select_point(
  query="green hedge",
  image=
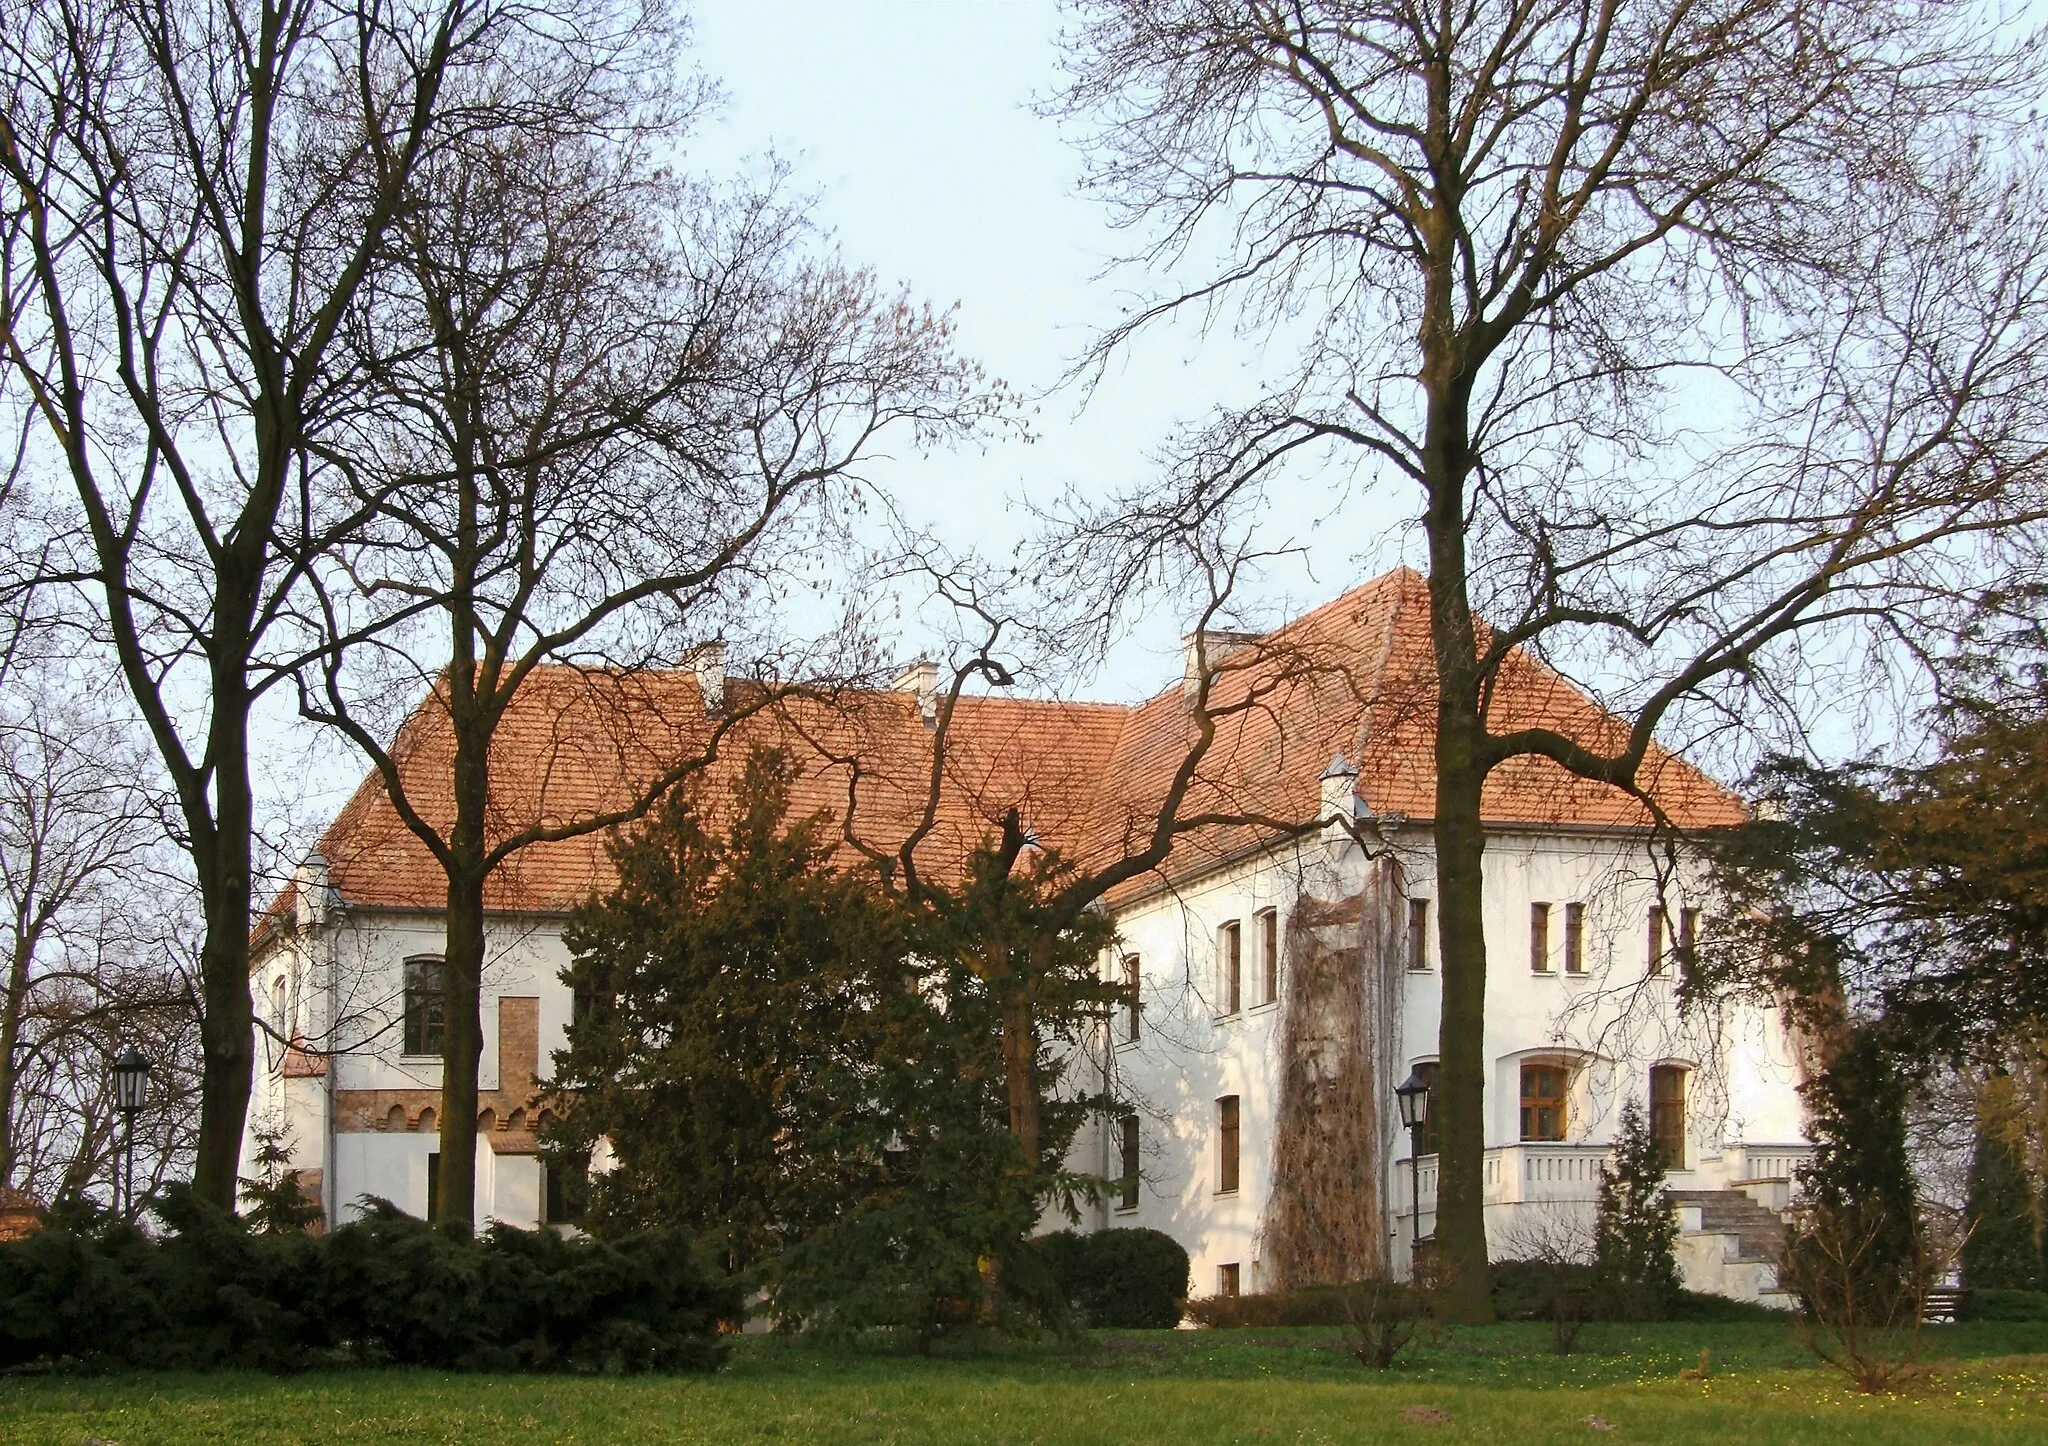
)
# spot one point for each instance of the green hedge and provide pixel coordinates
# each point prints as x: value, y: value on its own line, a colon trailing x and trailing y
x: 1124, y: 1279
x: 1313, y: 1305
x: 2006, y: 1305
x: 385, y: 1288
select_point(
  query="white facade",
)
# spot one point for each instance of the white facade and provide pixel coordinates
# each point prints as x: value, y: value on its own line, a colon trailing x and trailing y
x: 1608, y: 1022
x: 357, y: 1121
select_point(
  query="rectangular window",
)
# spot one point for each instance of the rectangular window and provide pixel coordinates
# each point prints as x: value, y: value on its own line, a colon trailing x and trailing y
x: 1688, y: 940
x: 1418, y: 933
x: 1134, y: 979
x: 1539, y: 938
x: 1229, y: 967
x: 1227, y: 1279
x: 1127, y: 1162
x: 1656, y: 948
x: 1667, y: 1114
x: 1269, y: 956
x: 1427, y: 1071
x: 1574, y: 938
x: 425, y: 1006
x: 433, y: 1186
x: 1543, y: 1101
x: 1226, y: 1144
x: 562, y: 1194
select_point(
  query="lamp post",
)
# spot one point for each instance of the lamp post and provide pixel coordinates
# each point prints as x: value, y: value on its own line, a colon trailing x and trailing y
x: 131, y: 1084
x: 1413, y: 1093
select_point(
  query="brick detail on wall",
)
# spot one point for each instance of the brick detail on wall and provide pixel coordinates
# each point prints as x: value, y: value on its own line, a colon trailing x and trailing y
x: 510, y: 1112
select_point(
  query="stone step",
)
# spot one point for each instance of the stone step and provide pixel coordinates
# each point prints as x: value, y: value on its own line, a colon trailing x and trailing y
x: 1760, y: 1233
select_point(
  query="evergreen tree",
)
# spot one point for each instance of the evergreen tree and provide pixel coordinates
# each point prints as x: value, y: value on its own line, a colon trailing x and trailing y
x: 725, y: 1033
x: 2002, y: 1252
x: 1635, y: 1241
x: 1857, y: 1235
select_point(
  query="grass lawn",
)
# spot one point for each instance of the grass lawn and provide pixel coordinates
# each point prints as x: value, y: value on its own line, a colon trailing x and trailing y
x: 1499, y: 1383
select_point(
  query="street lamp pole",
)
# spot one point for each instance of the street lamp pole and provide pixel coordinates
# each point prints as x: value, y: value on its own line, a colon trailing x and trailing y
x: 1413, y: 1095
x: 131, y: 1086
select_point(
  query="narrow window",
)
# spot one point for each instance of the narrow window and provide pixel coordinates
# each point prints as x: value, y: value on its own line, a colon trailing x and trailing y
x: 1543, y: 1101
x: 1427, y: 1071
x: 1227, y: 1279
x: 1269, y: 956
x: 433, y: 1186
x: 1574, y: 938
x: 1418, y: 933
x: 1127, y: 1162
x: 562, y: 1197
x: 1656, y: 955
x: 1230, y: 965
x: 1133, y: 982
x: 424, y: 1006
x: 1226, y: 1144
x: 1539, y: 938
x: 1688, y: 940
x: 1667, y: 1114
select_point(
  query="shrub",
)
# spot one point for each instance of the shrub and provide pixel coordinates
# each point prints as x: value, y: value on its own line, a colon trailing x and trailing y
x: 1126, y: 1279
x: 1313, y: 1305
x: 384, y: 1288
x: 1635, y: 1235
x: 2001, y: 1251
x: 2007, y: 1305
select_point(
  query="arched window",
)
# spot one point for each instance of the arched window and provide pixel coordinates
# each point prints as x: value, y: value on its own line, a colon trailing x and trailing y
x: 425, y: 1008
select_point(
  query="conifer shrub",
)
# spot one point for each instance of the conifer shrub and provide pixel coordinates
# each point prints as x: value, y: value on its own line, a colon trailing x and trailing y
x: 2001, y: 1251
x: 1128, y: 1279
x: 212, y: 1293
x: 1635, y: 1232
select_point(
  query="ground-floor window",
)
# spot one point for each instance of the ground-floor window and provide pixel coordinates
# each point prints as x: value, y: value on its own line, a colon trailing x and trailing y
x: 1543, y: 1085
x: 1226, y: 1144
x: 433, y: 1186
x: 1667, y: 1114
x: 1227, y: 1279
x: 1127, y: 1162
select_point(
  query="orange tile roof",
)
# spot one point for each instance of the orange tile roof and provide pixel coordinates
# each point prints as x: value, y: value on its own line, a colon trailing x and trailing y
x: 1351, y: 677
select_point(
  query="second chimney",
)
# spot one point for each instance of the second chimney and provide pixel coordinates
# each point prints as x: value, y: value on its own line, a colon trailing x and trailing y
x: 707, y: 661
x: 922, y: 679
x: 1205, y: 649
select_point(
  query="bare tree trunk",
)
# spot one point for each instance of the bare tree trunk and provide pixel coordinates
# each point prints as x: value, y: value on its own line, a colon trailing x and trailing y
x: 10, y: 1038
x: 461, y: 1045
x: 1020, y: 1062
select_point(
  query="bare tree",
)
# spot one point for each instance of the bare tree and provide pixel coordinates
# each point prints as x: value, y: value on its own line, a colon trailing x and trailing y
x: 195, y: 193
x: 1698, y: 329
x: 608, y: 413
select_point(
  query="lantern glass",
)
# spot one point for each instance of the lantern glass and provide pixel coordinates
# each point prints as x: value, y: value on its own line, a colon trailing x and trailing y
x: 131, y: 1079
x: 1413, y: 1093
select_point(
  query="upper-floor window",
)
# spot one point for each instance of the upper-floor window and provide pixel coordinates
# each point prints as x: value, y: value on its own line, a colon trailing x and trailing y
x: 1655, y: 964
x: 425, y: 1007
x: 1133, y: 982
x: 1539, y: 938
x: 1688, y: 940
x: 1574, y: 938
x: 1229, y: 967
x: 1543, y: 1099
x: 1667, y: 1114
x: 1226, y: 1144
x: 1127, y: 1163
x: 1418, y: 933
x: 1266, y: 926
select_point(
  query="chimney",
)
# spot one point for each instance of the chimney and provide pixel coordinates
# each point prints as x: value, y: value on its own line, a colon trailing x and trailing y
x: 922, y: 679
x: 1203, y: 650
x: 707, y: 661
x: 1340, y: 789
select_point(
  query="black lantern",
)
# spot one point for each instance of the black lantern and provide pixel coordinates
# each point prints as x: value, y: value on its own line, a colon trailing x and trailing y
x: 1413, y: 1093
x: 131, y: 1087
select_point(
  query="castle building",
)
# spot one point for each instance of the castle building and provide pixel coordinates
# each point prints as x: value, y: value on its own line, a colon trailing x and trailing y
x: 1280, y: 962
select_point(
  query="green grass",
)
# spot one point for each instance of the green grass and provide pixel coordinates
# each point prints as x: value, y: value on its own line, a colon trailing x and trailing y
x: 1501, y: 1383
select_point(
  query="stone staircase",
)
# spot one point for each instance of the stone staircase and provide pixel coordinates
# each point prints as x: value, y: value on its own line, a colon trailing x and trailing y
x: 1729, y: 1244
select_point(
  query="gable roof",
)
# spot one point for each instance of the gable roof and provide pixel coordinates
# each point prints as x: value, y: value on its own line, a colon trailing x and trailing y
x: 1354, y: 676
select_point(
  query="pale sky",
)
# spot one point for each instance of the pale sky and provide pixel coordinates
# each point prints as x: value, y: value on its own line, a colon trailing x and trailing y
x: 912, y: 122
